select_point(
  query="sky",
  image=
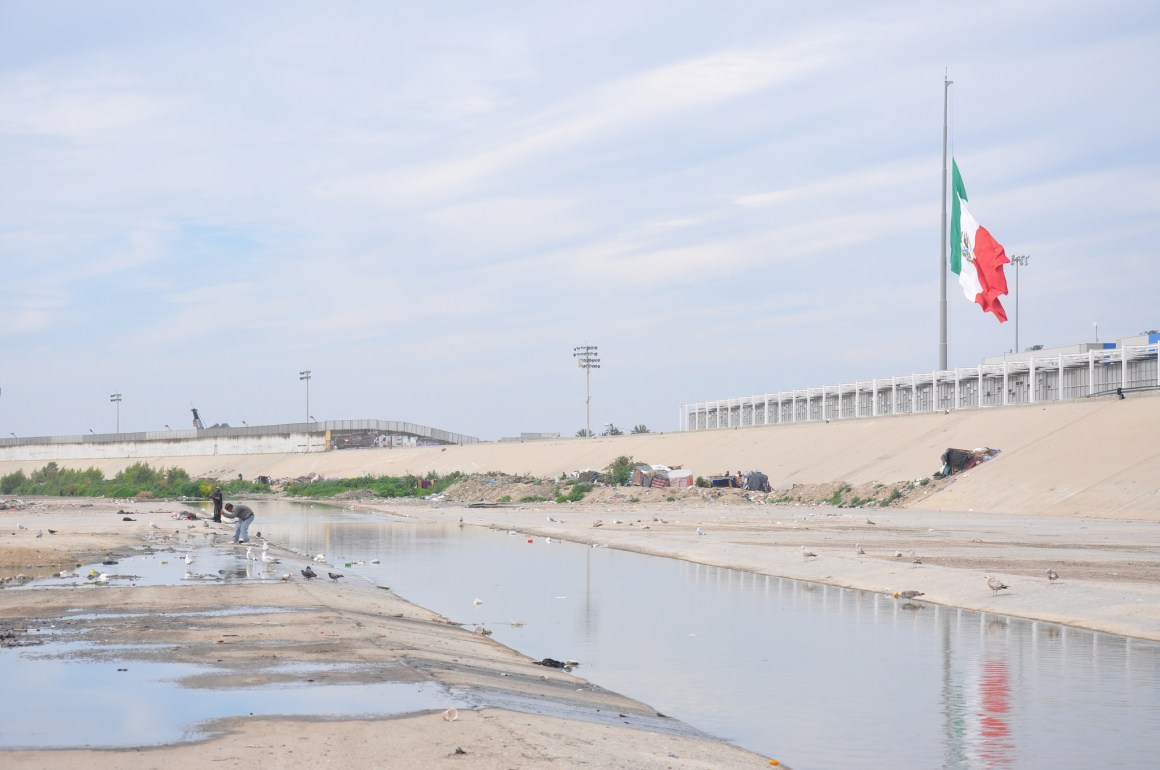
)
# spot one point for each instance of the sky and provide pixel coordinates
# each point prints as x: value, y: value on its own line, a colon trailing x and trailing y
x: 430, y: 205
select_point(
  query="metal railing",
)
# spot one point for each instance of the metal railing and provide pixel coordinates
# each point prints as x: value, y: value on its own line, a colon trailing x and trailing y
x: 1059, y: 377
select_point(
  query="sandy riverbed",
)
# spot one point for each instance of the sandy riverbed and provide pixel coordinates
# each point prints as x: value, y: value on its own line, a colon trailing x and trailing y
x: 381, y: 635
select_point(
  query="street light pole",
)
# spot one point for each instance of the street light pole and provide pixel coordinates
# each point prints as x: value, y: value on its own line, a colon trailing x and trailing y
x: 1019, y: 261
x: 116, y: 399
x: 586, y: 358
x: 305, y: 375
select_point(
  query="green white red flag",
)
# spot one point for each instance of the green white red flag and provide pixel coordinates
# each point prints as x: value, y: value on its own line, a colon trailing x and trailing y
x: 975, y: 256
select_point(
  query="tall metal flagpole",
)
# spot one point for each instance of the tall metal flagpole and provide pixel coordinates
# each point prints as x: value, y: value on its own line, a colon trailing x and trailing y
x: 942, y: 343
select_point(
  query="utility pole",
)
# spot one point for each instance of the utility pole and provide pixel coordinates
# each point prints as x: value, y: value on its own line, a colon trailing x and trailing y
x: 586, y: 358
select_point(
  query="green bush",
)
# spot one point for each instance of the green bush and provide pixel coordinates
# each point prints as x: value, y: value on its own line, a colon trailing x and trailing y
x: 701, y: 481
x: 620, y: 470
x: 579, y: 489
x: 379, y: 486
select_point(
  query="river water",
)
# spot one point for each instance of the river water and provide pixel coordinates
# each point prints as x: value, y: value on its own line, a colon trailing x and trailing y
x: 814, y: 676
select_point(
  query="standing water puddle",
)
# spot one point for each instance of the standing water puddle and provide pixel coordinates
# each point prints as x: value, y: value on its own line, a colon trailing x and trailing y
x: 816, y: 676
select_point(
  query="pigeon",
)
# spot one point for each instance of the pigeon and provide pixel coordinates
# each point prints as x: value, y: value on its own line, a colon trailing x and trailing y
x: 308, y: 573
x: 334, y: 576
x: 808, y: 554
x: 995, y: 585
x: 52, y: 532
x: 40, y: 533
x: 1052, y: 575
x: 858, y: 549
x: 127, y: 518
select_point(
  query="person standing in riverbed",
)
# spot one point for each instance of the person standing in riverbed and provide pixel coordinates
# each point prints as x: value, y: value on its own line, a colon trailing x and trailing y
x: 244, y: 516
x: 216, y: 496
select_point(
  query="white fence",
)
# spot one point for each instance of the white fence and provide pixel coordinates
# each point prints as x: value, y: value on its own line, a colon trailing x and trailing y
x: 1048, y: 378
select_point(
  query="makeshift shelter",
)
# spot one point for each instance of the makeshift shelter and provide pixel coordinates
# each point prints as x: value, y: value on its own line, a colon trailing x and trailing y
x: 959, y: 460
x: 756, y: 481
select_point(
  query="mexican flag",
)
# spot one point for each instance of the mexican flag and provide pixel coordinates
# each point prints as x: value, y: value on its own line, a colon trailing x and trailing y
x: 976, y: 257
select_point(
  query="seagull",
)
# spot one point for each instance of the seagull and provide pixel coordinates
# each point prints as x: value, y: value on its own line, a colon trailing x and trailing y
x: 870, y: 522
x: 477, y: 602
x: 153, y: 525
x: 250, y: 553
x: 308, y: 573
x: 858, y: 549
x: 995, y: 585
x: 189, y: 558
x: 808, y: 554
x: 700, y: 531
x: 375, y: 561
x: 268, y: 559
x: 908, y: 595
x: 334, y: 576
x: 320, y: 557
x: 1052, y: 575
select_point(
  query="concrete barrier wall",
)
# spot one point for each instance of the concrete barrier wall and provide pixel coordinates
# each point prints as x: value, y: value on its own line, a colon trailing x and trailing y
x: 199, y: 446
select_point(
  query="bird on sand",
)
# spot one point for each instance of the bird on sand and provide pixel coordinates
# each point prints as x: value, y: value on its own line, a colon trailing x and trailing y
x: 858, y: 549
x: 995, y: 585
x: 334, y: 576
x: 908, y: 595
x: 1052, y: 575
x: 308, y: 572
x: 808, y: 554
x: 870, y: 522
x: 52, y: 532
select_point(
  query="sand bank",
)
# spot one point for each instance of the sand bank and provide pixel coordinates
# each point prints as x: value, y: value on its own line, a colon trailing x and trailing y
x: 374, y: 633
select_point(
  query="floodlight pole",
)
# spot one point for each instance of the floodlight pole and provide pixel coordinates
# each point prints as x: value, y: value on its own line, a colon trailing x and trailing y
x: 586, y: 358
x: 305, y: 375
x: 116, y: 399
x: 1019, y: 261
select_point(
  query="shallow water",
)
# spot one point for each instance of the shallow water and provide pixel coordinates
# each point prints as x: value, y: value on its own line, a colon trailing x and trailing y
x: 815, y: 676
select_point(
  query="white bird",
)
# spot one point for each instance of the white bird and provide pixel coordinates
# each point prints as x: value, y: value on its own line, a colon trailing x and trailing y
x: 189, y: 558
x: 320, y: 557
x: 808, y: 554
x: 267, y: 558
x: 995, y: 585
x: 103, y: 577
x: 1052, y: 575
x: 477, y: 602
x: 21, y: 526
x: 265, y: 546
x: 375, y: 561
x: 858, y: 549
x: 286, y: 576
x: 700, y: 531
x: 153, y: 525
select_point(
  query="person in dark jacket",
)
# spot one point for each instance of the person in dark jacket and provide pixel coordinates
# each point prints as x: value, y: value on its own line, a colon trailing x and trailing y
x: 243, y: 516
x: 216, y: 496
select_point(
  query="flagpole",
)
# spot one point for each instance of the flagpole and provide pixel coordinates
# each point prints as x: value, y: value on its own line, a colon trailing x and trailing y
x: 942, y: 345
